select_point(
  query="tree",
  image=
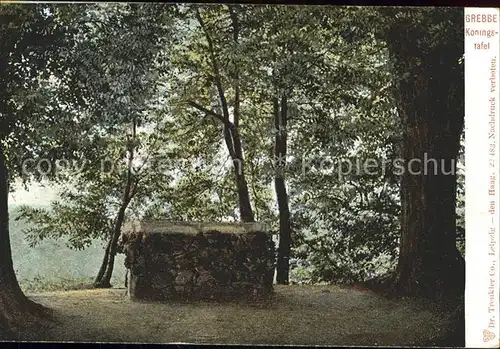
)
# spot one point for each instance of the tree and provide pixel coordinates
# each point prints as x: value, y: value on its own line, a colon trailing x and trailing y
x: 280, y: 41
x: 206, y: 63
x: 317, y: 75
x: 52, y: 100
x: 346, y: 216
x: 130, y: 51
x: 30, y: 47
x: 94, y: 200
x: 332, y: 89
x: 426, y: 46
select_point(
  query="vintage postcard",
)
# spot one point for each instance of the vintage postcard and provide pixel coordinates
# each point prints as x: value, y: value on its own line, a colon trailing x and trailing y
x: 249, y: 174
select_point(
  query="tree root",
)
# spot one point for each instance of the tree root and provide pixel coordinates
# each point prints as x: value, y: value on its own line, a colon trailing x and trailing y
x: 21, y: 318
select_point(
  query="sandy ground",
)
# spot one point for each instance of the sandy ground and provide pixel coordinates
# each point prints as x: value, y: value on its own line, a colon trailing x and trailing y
x: 308, y: 315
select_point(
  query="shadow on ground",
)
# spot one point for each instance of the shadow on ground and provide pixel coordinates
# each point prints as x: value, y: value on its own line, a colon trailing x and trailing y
x: 301, y: 315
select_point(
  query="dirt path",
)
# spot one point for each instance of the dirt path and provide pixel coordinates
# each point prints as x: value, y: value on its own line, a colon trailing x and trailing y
x: 321, y: 315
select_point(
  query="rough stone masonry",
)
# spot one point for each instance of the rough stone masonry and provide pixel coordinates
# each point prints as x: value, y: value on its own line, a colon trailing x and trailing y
x: 168, y: 260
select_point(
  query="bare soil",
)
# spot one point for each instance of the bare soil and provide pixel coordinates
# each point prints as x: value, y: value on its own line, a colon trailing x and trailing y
x: 300, y: 315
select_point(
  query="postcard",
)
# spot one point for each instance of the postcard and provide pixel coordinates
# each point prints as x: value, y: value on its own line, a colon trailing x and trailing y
x: 249, y: 174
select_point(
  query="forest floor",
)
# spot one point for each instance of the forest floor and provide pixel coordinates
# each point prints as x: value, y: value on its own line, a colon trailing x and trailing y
x: 300, y: 315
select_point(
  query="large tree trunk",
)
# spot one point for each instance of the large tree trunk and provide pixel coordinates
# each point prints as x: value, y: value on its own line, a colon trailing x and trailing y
x: 280, y: 151
x: 16, y: 310
x: 430, y: 98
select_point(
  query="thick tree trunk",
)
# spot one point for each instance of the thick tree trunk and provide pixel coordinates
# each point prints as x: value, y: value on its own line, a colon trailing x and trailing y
x: 431, y: 109
x: 280, y: 151
x: 429, y: 262
x: 16, y: 310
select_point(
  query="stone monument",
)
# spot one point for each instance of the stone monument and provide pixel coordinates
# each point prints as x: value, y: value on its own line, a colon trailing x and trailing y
x: 171, y: 260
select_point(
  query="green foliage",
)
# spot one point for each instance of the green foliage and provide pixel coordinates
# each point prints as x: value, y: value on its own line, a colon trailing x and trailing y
x: 122, y: 62
x: 80, y: 217
x: 31, y: 44
x: 120, y: 56
x: 38, y: 284
x: 52, y: 259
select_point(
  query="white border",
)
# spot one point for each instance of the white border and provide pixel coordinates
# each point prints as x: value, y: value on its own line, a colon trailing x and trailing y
x: 482, y: 139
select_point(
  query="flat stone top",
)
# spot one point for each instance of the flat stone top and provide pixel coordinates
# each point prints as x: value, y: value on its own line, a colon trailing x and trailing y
x: 169, y: 227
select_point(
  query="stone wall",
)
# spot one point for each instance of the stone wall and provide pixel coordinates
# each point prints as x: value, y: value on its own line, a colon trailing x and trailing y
x: 204, y: 261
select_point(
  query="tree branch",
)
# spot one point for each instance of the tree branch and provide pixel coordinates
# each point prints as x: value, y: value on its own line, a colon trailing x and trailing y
x: 229, y: 127
x: 208, y: 111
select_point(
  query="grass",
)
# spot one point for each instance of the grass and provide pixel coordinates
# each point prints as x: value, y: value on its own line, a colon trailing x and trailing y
x: 38, y: 284
x: 295, y: 314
